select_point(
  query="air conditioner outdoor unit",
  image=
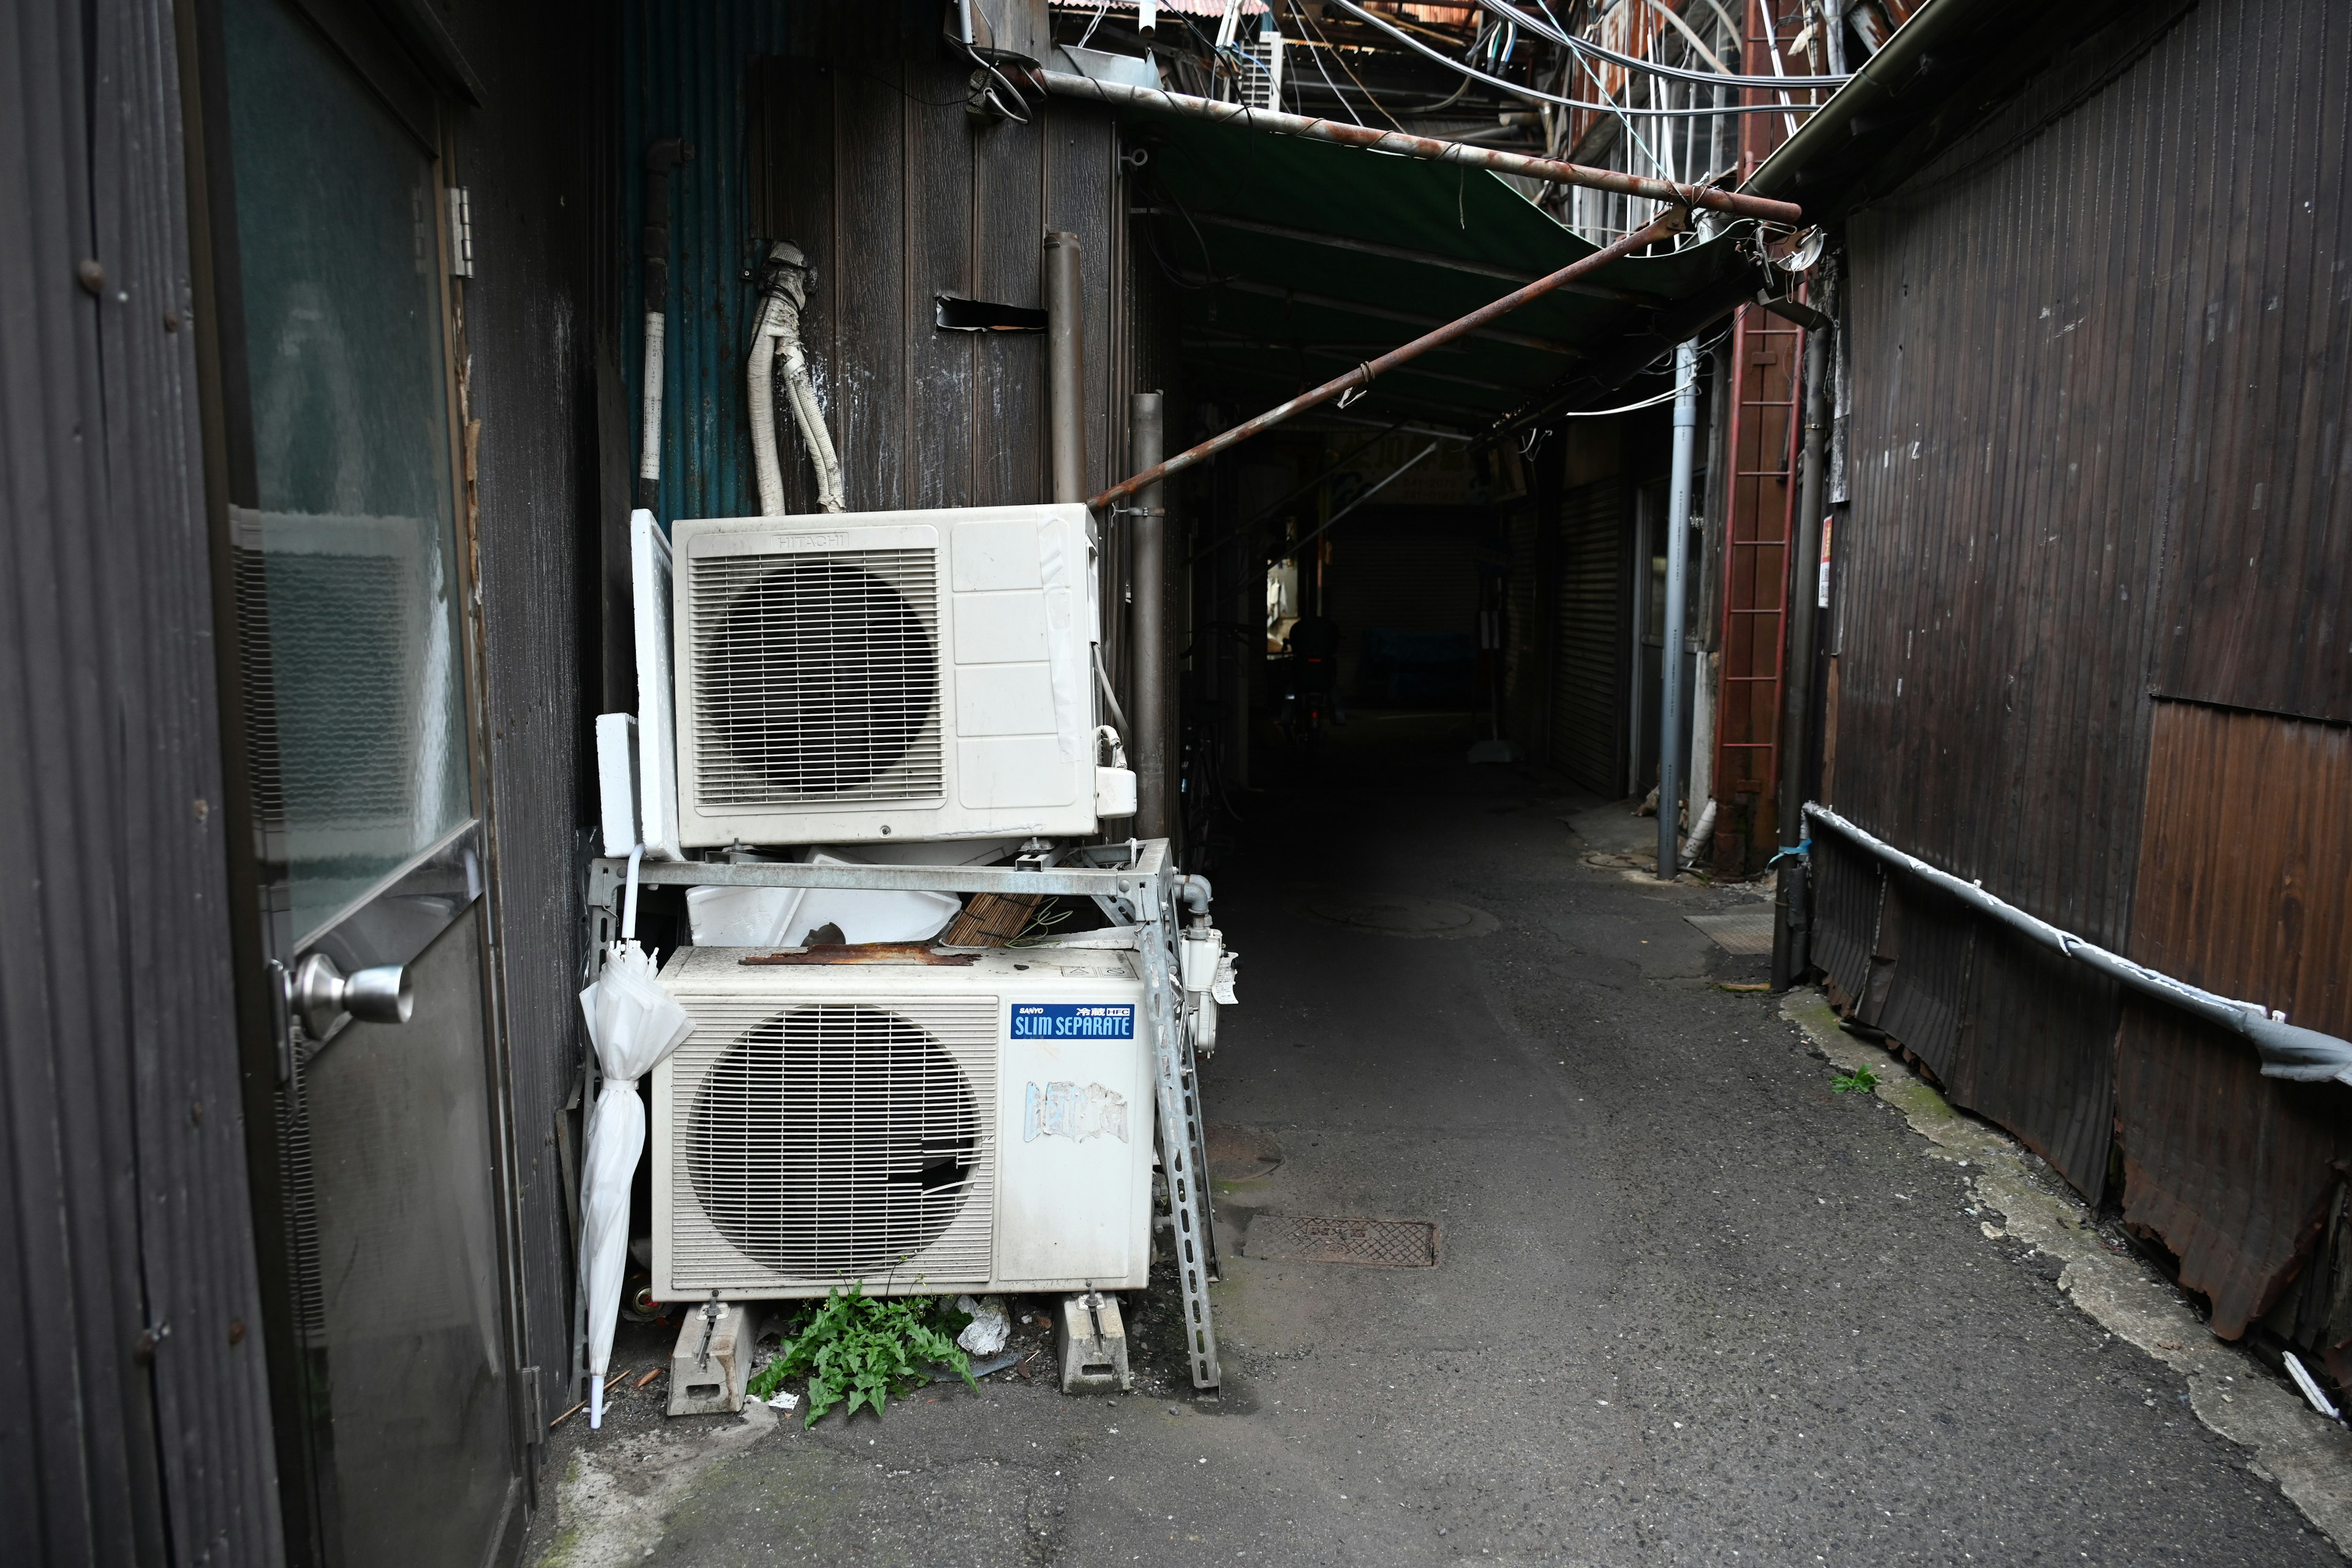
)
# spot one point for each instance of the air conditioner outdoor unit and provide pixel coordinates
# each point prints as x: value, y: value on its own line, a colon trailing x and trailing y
x: 981, y: 1123
x: 885, y: 675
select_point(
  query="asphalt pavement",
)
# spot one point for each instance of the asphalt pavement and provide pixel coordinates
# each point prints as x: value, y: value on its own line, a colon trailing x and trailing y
x: 1689, y: 1305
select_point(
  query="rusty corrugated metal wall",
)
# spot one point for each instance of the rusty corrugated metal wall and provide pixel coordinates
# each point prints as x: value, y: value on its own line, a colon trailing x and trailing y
x: 2100, y: 364
x: 2243, y: 888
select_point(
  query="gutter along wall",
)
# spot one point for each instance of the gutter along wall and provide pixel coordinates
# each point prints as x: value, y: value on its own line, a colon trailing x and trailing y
x: 2090, y: 632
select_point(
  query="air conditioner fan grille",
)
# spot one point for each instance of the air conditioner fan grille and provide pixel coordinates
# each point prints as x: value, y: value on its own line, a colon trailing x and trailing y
x: 842, y: 1141
x: 816, y: 679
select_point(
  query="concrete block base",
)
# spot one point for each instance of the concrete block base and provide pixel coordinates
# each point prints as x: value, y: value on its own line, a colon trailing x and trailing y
x: 1091, y: 1338
x: 712, y: 1383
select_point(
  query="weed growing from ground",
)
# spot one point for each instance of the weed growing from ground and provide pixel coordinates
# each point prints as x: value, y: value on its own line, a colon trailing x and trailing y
x: 1860, y: 1080
x: 862, y: 1349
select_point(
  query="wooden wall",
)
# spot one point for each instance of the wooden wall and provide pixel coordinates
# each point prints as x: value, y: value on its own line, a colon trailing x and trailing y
x: 898, y: 196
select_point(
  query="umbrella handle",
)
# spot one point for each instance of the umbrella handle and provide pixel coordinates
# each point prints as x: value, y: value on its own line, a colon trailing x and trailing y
x: 629, y: 904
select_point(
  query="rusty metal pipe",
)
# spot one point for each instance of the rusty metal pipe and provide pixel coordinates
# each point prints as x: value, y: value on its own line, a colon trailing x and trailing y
x: 1551, y: 170
x: 1670, y: 222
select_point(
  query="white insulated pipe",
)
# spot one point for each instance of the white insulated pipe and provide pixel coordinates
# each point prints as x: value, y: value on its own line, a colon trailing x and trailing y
x: 1670, y: 652
x: 777, y: 336
x: 760, y: 374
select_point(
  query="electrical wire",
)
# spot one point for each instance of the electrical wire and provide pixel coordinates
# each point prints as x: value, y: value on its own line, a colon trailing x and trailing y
x: 1672, y: 392
x: 1334, y: 50
x: 1537, y: 95
x: 1631, y: 62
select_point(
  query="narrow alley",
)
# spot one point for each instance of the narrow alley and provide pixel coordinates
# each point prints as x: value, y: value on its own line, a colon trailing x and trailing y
x: 1691, y: 1305
x: 1007, y: 782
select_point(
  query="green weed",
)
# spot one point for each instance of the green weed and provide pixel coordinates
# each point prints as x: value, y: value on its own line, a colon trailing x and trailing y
x: 1860, y: 1080
x: 862, y: 1349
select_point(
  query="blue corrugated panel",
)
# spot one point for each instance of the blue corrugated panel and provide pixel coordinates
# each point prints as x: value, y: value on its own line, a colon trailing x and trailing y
x: 684, y: 70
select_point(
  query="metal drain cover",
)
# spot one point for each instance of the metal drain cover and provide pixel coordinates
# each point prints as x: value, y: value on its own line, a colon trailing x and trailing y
x: 1398, y: 915
x: 1312, y: 1238
x: 1746, y: 932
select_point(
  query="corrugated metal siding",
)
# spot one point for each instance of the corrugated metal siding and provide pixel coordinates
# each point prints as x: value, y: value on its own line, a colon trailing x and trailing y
x: 2080, y: 340
x: 2245, y: 887
x: 1924, y: 989
x: 123, y: 1172
x: 1846, y: 889
x: 1592, y: 633
x: 2036, y: 1054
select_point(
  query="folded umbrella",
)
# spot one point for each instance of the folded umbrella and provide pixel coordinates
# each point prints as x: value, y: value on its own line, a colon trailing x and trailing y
x: 633, y: 1024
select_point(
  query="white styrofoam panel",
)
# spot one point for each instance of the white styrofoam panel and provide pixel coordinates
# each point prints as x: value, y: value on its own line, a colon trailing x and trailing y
x: 649, y: 574
x: 616, y: 780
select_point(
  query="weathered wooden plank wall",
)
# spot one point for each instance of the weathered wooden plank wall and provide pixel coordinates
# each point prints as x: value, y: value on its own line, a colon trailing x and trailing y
x: 898, y: 196
x: 2100, y: 359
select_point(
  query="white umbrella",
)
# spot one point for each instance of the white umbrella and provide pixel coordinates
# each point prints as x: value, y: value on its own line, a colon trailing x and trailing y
x: 633, y: 1024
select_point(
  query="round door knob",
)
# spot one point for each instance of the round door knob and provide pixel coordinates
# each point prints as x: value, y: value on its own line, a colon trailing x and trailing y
x: 321, y: 994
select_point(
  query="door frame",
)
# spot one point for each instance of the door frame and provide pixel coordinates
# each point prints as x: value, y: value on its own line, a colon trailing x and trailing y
x: 424, y: 109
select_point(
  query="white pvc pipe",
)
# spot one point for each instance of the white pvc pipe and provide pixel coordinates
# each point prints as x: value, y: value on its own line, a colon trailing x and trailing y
x: 629, y: 902
x: 791, y: 294
x: 2288, y: 1052
x: 760, y: 376
x: 650, y: 448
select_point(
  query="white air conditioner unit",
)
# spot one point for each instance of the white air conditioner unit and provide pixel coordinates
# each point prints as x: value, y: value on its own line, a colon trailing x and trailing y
x: 981, y: 1125
x: 885, y: 675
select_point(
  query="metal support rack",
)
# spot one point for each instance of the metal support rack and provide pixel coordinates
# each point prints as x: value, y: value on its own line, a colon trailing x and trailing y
x: 1136, y: 884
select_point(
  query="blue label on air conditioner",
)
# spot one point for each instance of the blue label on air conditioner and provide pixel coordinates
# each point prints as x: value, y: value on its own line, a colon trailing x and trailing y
x: 1073, y: 1020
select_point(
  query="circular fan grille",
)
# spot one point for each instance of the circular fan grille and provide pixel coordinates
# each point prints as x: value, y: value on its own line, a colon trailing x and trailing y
x: 833, y: 1140
x: 819, y: 674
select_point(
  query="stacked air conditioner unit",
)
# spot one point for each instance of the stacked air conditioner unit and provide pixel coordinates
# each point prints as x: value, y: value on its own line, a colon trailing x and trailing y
x: 979, y: 1124
x: 958, y: 1121
x: 889, y: 674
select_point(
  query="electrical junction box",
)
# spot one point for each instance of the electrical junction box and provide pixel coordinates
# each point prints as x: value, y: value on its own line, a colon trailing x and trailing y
x: 861, y: 677
x: 967, y: 1122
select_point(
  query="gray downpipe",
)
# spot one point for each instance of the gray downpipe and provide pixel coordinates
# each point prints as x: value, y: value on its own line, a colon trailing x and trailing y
x: 1066, y: 365
x: 2299, y: 1055
x: 1149, y: 661
x: 1670, y: 651
x: 1789, y: 957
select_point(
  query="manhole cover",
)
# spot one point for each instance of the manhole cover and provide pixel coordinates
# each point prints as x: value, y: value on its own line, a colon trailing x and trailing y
x: 1746, y: 932
x: 1312, y: 1238
x: 1398, y: 915
x: 1241, y: 1153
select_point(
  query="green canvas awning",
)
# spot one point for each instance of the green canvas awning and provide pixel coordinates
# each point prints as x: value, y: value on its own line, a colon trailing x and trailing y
x: 1300, y: 258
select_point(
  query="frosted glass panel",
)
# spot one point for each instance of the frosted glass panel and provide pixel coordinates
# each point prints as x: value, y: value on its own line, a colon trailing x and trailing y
x: 347, y: 595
